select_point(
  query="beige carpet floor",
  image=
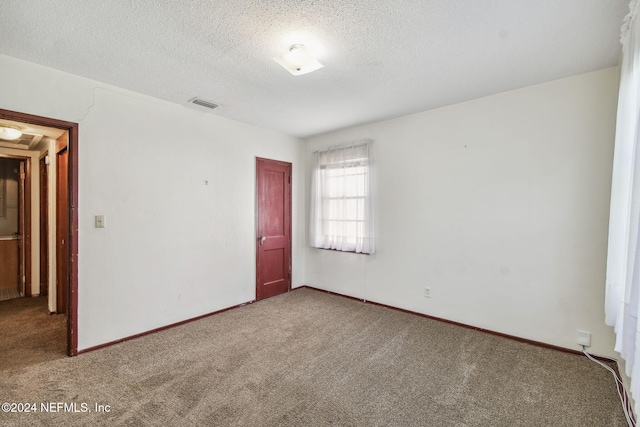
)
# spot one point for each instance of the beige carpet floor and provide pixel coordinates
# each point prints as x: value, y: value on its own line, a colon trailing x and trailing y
x: 308, y: 358
x: 29, y: 334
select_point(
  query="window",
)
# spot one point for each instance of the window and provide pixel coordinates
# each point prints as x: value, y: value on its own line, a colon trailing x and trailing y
x: 341, y: 199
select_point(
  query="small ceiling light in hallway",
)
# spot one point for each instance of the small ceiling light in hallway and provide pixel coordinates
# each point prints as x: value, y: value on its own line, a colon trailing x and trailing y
x: 298, y: 60
x: 9, y: 133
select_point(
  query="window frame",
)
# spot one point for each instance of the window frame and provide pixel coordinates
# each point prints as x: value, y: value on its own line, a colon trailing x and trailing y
x: 328, y: 228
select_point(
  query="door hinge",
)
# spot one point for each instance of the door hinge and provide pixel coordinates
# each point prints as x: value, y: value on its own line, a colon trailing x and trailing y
x: 289, y: 179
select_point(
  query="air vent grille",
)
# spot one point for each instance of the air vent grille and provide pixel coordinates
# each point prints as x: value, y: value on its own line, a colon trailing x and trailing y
x: 204, y: 103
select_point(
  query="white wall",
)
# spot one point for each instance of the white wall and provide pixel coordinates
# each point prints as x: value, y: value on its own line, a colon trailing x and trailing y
x: 143, y: 164
x: 499, y: 205
x: 47, y: 147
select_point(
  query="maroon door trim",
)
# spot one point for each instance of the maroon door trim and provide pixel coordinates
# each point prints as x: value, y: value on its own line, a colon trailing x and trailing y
x: 62, y: 230
x: 72, y: 128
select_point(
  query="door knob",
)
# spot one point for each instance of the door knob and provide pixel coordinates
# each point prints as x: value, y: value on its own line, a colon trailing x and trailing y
x: 262, y: 239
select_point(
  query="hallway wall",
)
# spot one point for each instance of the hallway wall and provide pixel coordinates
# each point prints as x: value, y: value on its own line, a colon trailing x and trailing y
x: 177, y: 188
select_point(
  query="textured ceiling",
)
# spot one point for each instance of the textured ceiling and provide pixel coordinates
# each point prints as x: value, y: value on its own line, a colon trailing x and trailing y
x: 383, y: 58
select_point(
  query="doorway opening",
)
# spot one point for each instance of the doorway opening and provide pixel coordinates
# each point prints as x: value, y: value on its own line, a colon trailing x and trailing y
x: 51, y: 251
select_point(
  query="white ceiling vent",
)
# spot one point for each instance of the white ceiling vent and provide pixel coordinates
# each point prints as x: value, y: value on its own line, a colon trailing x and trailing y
x: 203, y: 103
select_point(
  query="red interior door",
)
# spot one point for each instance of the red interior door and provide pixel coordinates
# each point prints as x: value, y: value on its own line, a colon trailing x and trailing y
x: 273, y: 239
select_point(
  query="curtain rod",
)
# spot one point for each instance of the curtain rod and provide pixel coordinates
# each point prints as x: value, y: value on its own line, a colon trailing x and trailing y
x: 347, y: 145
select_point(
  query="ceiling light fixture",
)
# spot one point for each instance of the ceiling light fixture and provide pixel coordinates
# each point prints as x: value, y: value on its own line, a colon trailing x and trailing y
x: 9, y: 133
x: 298, y: 60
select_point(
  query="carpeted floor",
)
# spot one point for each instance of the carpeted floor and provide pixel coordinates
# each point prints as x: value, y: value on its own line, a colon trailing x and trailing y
x: 308, y: 358
x: 29, y: 334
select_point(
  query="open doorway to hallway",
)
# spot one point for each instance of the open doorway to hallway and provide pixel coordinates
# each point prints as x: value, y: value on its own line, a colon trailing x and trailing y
x: 46, y: 156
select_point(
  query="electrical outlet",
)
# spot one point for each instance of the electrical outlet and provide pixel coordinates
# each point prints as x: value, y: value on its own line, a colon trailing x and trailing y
x: 427, y: 292
x: 584, y: 338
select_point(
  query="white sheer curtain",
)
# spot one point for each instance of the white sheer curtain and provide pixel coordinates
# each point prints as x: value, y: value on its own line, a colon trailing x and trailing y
x: 623, y: 258
x: 342, y: 200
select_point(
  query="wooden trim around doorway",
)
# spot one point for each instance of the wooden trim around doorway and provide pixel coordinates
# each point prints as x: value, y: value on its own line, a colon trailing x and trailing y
x: 72, y: 128
x: 26, y: 241
x: 44, y: 225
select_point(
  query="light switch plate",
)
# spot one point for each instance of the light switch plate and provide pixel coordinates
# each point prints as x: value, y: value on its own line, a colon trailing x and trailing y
x: 100, y: 221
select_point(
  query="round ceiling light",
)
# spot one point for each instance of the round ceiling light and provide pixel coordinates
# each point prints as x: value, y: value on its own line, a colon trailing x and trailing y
x: 298, y: 60
x: 9, y: 133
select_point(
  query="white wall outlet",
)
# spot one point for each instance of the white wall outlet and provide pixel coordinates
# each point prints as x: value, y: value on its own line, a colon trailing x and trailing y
x: 584, y: 338
x: 427, y: 292
x: 100, y: 221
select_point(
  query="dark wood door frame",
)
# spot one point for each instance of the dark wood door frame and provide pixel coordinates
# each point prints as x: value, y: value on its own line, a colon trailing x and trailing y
x: 24, y: 225
x: 62, y: 229
x: 27, y: 228
x: 44, y: 226
x: 72, y: 302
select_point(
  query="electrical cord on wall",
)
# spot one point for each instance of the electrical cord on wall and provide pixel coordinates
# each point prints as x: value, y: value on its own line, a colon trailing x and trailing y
x: 619, y: 385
